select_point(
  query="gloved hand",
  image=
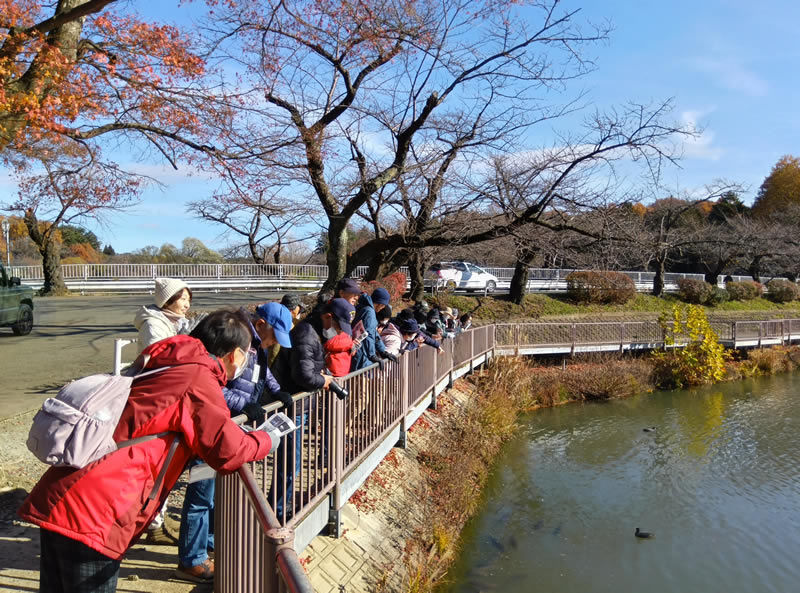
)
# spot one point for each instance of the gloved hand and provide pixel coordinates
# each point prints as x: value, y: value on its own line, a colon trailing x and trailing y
x: 282, y: 396
x: 389, y: 356
x: 254, y: 412
x: 377, y: 359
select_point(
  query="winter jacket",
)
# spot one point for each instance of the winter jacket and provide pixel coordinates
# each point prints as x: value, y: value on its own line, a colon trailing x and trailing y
x: 372, y: 345
x: 337, y: 354
x: 392, y: 339
x: 106, y: 504
x: 300, y: 367
x: 153, y: 326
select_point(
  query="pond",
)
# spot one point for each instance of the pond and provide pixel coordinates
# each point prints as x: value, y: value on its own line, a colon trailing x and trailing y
x: 717, y: 482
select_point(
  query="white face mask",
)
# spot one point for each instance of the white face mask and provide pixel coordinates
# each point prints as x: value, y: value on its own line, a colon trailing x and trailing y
x: 410, y: 338
x: 329, y: 333
x: 238, y: 370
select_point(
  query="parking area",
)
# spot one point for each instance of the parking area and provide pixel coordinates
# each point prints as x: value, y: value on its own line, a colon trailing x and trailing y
x: 74, y: 336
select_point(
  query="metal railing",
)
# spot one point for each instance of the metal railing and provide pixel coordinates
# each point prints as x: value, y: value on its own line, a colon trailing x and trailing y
x: 271, y: 509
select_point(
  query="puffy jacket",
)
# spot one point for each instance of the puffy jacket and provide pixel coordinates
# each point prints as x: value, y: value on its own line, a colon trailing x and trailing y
x: 372, y: 345
x: 426, y: 339
x: 153, y: 326
x: 106, y: 504
x: 300, y: 367
x: 337, y: 359
x: 392, y: 339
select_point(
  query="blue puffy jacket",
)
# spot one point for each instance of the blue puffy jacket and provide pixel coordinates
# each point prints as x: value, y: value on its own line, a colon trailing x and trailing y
x: 372, y: 344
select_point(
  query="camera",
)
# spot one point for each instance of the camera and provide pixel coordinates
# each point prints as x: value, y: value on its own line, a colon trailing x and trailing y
x: 338, y: 390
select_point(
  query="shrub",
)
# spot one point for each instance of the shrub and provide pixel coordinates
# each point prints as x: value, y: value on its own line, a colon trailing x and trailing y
x: 744, y: 291
x: 718, y: 296
x: 698, y: 356
x: 395, y: 283
x: 694, y: 291
x: 600, y: 287
x: 782, y: 291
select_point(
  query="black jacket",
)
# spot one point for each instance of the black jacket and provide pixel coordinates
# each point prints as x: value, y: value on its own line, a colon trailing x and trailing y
x: 299, y: 368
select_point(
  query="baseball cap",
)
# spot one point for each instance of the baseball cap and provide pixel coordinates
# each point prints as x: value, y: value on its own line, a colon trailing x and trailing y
x: 380, y: 296
x: 343, y: 312
x: 280, y: 319
x: 290, y: 301
x: 348, y: 285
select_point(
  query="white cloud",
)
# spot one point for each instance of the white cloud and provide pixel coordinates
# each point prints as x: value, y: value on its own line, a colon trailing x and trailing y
x: 732, y: 74
x: 702, y: 145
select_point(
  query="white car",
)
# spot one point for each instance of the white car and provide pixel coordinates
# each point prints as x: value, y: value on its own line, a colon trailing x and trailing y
x: 459, y: 275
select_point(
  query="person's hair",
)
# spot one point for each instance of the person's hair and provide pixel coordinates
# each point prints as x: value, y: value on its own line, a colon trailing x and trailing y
x: 406, y: 314
x: 222, y: 332
x: 385, y: 313
x: 177, y: 295
x: 324, y: 296
x: 466, y: 317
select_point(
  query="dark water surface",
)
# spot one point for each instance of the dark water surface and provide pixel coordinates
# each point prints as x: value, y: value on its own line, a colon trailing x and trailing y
x: 718, y: 483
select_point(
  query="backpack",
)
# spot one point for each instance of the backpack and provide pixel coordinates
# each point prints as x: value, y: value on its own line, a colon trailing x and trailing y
x: 77, y: 426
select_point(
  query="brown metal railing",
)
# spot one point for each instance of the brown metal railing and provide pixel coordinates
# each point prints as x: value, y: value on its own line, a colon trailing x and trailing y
x: 339, y: 439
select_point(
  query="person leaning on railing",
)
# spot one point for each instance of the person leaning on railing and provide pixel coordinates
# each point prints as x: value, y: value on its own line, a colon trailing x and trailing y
x: 297, y: 369
x: 371, y: 349
x: 251, y: 386
x: 90, y: 517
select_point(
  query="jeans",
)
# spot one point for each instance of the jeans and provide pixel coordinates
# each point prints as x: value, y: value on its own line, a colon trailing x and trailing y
x: 291, y: 442
x: 197, y: 522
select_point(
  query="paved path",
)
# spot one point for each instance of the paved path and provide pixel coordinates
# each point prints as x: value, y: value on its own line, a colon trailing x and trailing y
x: 73, y: 337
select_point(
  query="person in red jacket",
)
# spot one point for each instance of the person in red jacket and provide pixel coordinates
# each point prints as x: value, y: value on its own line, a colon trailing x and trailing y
x: 90, y: 517
x: 336, y: 319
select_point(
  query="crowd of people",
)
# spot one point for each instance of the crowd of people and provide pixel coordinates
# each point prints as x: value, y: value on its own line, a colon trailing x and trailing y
x: 226, y: 363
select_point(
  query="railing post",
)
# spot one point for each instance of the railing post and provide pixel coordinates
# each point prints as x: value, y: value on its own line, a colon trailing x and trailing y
x: 573, y: 329
x: 334, y: 515
x: 621, y: 337
x: 404, y: 391
x: 432, y: 405
x: 760, y: 332
x: 733, y: 333
x: 472, y: 350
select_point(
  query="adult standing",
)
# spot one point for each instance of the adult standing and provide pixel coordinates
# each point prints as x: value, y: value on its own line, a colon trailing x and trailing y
x: 90, y: 517
x: 167, y: 316
x: 371, y: 348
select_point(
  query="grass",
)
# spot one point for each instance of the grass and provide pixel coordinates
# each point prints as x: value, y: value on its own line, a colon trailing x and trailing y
x: 544, y: 306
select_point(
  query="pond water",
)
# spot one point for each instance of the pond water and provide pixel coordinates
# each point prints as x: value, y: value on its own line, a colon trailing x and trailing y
x: 717, y: 482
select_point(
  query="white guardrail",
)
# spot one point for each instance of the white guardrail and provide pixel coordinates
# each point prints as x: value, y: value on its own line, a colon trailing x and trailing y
x: 88, y: 278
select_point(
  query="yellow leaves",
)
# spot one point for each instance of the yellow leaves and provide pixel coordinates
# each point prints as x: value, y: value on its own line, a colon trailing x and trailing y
x: 699, y: 355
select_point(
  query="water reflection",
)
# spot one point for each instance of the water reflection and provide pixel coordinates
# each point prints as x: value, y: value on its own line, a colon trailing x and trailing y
x: 718, y: 482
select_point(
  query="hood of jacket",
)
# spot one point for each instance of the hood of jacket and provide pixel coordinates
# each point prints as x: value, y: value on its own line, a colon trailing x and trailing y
x: 180, y: 350
x: 364, y: 300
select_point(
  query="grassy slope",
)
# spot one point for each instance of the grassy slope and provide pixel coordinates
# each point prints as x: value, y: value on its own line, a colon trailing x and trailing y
x: 644, y: 306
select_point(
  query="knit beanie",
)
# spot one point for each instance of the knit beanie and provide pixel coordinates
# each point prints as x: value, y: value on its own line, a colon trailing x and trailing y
x: 166, y: 288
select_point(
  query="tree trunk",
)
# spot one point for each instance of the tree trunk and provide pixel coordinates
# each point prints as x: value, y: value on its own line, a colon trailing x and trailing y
x: 51, y: 255
x: 54, y: 284
x: 336, y: 256
x: 755, y: 269
x: 416, y: 272
x: 658, y: 280
x: 519, y: 282
x: 381, y: 266
x: 711, y: 277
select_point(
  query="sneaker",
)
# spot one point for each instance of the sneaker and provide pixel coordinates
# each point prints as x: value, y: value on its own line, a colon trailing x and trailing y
x: 202, y: 573
x: 160, y: 536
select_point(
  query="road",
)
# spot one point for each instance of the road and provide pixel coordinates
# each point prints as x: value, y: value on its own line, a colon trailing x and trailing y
x: 74, y: 336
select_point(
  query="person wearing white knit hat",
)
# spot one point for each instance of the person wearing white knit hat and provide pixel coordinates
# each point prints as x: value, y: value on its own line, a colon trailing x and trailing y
x: 167, y: 317
x: 164, y: 319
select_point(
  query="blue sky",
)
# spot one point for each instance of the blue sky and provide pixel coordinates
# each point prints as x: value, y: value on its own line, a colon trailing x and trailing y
x: 729, y: 65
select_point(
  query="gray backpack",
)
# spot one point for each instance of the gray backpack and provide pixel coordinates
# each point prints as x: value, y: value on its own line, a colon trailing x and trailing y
x: 77, y: 426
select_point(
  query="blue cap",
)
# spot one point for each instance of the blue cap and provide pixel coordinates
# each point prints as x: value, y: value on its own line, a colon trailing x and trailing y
x: 280, y: 319
x: 343, y: 312
x: 380, y: 296
x: 408, y: 326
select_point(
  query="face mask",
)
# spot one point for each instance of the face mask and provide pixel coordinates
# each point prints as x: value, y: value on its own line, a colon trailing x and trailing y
x: 329, y: 333
x: 409, y: 338
x: 238, y: 370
